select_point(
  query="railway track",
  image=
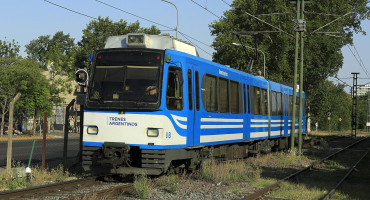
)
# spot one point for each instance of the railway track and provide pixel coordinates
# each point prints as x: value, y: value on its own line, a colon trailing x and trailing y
x: 317, y: 168
x: 75, y: 189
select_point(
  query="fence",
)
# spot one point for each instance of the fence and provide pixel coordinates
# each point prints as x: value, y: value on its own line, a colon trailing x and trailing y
x: 62, y: 145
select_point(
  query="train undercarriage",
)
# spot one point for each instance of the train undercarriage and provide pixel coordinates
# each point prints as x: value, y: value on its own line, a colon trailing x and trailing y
x: 122, y: 159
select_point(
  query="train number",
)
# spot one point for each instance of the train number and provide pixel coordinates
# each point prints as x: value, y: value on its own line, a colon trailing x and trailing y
x: 168, y: 135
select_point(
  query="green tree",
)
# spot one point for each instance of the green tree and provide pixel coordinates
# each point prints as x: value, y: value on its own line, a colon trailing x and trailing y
x: 322, y: 53
x: 362, y: 109
x: 96, y: 33
x: 36, y: 98
x: 332, y: 98
x: 9, y: 49
x: 55, y: 55
x: 19, y: 75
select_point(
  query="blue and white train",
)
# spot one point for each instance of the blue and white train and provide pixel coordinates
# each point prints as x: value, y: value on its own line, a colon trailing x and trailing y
x: 153, y: 105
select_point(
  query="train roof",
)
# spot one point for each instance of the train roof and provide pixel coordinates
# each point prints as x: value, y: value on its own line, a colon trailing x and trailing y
x: 140, y: 40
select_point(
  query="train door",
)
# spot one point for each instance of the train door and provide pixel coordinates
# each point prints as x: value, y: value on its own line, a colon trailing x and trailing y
x: 246, y: 110
x: 191, y: 105
x: 287, y: 119
x: 197, y: 107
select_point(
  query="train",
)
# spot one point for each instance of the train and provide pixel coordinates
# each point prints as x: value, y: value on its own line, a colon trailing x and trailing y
x: 153, y: 106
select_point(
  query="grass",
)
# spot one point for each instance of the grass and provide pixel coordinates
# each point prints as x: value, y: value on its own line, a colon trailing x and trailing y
x: 142, y: 186
x: 39, y: 177
x: 229, y: 172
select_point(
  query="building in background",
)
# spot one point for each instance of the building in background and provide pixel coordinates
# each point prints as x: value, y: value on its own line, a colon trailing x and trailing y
x: 362, y: 90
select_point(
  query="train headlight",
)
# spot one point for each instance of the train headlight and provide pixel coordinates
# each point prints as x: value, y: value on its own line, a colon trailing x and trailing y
x: 81, y: 76
x: 152, y: 132
x: 92, y: 130
x: 138, y: 40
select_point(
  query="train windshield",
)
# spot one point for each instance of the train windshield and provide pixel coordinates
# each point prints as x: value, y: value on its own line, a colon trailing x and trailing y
x: 121, y: 76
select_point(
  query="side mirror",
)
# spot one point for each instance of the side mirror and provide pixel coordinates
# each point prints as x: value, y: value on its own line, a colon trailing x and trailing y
x: 81, y: 76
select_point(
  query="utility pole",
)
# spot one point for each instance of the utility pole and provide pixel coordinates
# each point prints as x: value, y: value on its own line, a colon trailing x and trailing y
x: 292, y: 132
x: 354, y: 104
x: 300, y: 28
x: 368, y: 113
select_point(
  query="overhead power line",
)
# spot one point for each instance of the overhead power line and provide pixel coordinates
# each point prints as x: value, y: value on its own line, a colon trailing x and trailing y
x: 206, y: 9
x: 171, y: 29
x: 226, y: 2
x: 342, y: 81
x: 148, y: 20
x: 363, y: 65
x: 308, y: 12
x: 151, y: 21
x: 269, y: 14
x: 186, y: 37
x: 69, y: 9
x: 358, y: 61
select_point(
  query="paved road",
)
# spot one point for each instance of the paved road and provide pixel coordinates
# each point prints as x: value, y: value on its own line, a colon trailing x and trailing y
x: 54, y: 150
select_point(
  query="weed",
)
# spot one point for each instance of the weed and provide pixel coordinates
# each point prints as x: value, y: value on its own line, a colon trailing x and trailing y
x: 229, y: 172
x: 142, y: 186
x: 40, y: 177
x: 333, y: 165
x: 173, y: 185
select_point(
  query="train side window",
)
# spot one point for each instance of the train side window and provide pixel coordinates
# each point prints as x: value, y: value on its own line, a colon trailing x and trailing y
x: 234, y: 94
x: 224, y: 95
x: 264, y: 102
x: 256, y: 100
x: 197, y: 99
x: 190, y: 90
x: 174, y: 95
x: 249, y: 98
x: 244, y: 99
x: 274, y: 111
x: 209, y: 93
x: 279, y: 104
x: 297, y: 106
x: 290, y: 105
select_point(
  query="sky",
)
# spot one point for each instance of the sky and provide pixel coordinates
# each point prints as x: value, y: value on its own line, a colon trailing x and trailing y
x: 26, y: 20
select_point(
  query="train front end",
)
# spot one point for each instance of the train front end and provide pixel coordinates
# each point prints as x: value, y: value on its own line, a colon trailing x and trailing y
x: 125, y: 127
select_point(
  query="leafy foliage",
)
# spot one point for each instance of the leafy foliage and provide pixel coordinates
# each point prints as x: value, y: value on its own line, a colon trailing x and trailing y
x: 322, y: 53
x: 9, y: 49
x: 55, y: 55
x: 331, y: 98
x: 24, y: 76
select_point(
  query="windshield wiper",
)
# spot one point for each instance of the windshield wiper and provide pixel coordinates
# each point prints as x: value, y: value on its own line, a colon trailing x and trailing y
x: 141, y: 102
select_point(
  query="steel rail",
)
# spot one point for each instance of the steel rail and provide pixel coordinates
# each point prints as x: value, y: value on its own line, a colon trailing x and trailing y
x: 263, y: 191
x: 327, y: 196
x: 103, y: 193
x: 45, y: 188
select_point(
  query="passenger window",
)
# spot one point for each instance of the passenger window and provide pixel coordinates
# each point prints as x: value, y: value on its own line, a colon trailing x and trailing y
x: 197, y: 98
x: 190, y: 90
x: 174, y: 95
x: 244, y: 99
x: 279, y: 104
x: 274, y: 111
x: 290, y: 105
x: 264, y: 102
x: 234, y: 95
x: 209, y: 93
x: 256, y: 100
x: 224, y: 95
x: 249, y: 99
